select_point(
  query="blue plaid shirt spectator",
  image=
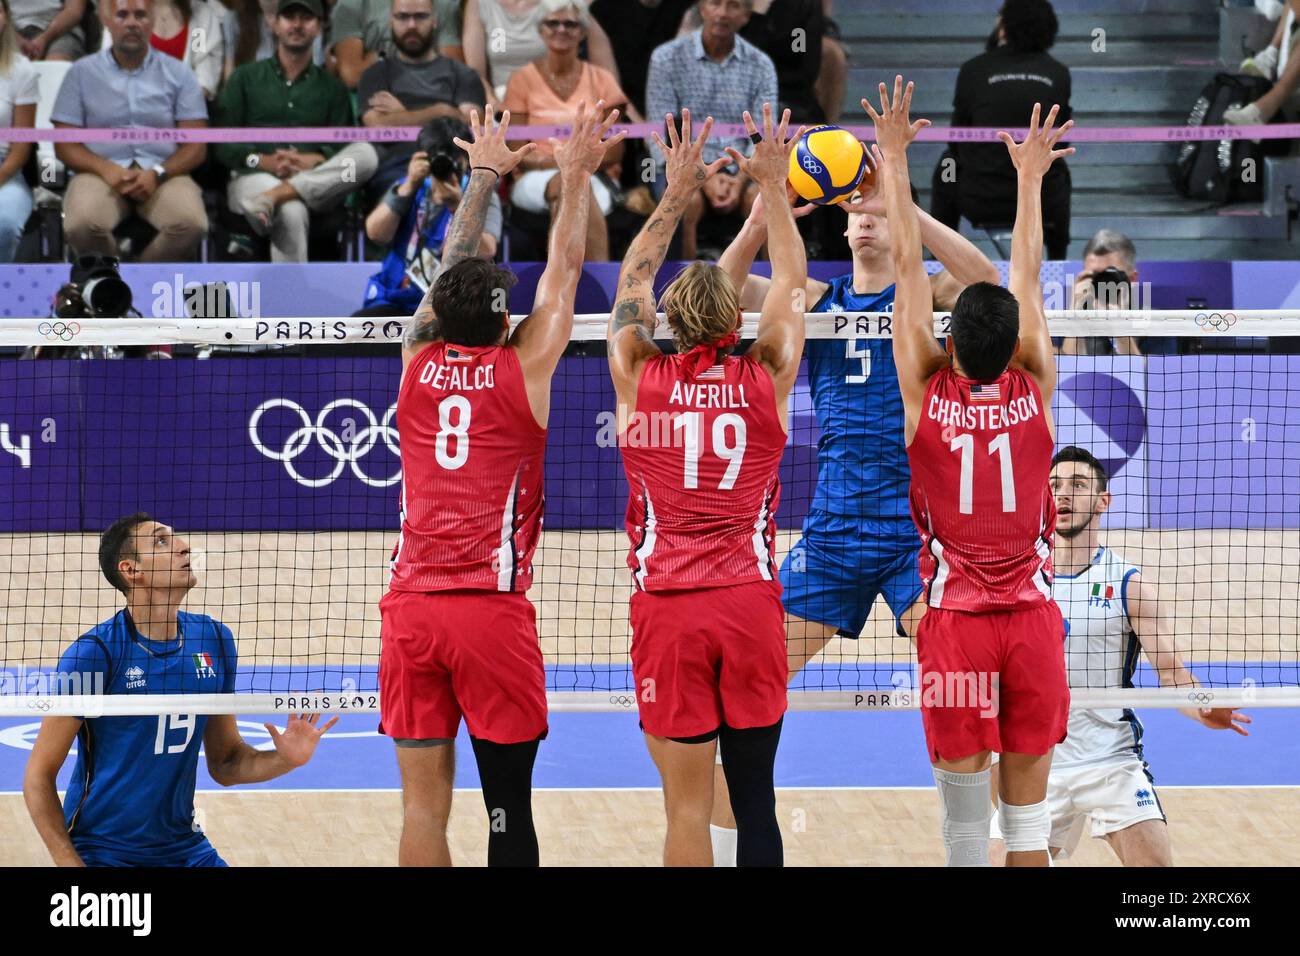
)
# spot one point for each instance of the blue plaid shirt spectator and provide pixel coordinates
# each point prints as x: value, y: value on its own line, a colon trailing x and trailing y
x: 682, y: 74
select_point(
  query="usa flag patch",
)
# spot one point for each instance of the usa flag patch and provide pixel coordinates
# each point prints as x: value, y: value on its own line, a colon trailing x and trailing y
x: 456, y: 355
x: 715, y: 374
x: 986, y: 393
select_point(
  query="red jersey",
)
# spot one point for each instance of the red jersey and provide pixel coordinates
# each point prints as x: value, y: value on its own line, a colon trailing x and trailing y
x: 701, y: 456
x: 980, y: 497
x: 472, y: 456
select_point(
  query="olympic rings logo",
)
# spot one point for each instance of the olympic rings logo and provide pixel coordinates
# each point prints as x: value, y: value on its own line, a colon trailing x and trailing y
x: 1204, y: 697
x: 809, y: 163
x: 622, y: 700
x: 344, y: 451
x: 1219, y: 321
x: 59, y: 330
x: 42, y: 704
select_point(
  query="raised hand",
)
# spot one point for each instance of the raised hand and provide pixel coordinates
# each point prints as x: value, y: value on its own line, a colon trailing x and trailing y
x: 769, y: 163
x: 298, y: 742
x: 585, y: 150
x: 895, y: 129
x: 685, y: 167
x: 1036, y: 154
x: 489, y: 147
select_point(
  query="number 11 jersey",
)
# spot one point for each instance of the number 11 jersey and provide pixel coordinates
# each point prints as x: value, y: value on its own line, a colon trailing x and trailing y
x: 701, y: 454
x: 980, y: 462
x: 472, y: 463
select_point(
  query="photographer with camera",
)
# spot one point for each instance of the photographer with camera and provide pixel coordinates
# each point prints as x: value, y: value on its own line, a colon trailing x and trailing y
x: 1106, y: 282
x: 413, y: 218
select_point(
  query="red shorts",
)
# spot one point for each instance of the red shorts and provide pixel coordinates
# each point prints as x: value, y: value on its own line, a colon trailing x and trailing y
x: 451, y: 653
x: 707, y: 657
x: 992, y: 681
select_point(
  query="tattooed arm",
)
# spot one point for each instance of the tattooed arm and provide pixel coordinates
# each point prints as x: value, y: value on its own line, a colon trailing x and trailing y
x: 488, y: 155
x: 633, y: 320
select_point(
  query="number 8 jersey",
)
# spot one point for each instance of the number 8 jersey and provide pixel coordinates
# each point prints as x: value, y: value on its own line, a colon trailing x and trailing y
x: 701, y: 456
x: 980, y: 497
x: 472, y: 461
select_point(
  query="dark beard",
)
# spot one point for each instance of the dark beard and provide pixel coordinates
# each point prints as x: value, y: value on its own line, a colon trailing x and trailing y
x: 1070, y: 535
x: 421, y: 47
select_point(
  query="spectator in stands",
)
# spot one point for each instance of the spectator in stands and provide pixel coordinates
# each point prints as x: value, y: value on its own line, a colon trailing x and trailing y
x: 1279, y: 62
x: 190, y: 31
x: 999, y: 88
x: 361, y: 33
x: 714, y: 72
x: 1106, y: 282
x: 130, y: 85
x: 833, y: 79
x: 18, y: 96
x: 50, y: 29
x: 276, y: 186
x: 501, y: 36
x: 248, y: 31
x: 548, y: 92
x: 413, y: 85
x: 774, y: 27
x: 413, y: 218
x: 635, y: 28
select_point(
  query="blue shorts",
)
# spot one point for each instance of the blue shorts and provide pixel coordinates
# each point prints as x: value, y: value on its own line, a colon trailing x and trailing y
x: 203, y: 855
x: 834, y: 573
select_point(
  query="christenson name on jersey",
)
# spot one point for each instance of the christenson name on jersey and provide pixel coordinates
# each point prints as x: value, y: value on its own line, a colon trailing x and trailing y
x: 1101, y: 650
x: 472, y: 453
x: 985, y: 416
x: 980, y: 498
x: 700, y: 510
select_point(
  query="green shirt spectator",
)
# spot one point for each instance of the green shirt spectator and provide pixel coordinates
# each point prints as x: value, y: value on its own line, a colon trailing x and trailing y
x: 259, y: 95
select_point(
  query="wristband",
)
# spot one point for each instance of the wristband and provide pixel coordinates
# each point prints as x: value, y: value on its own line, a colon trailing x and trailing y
x: 488, y: 168
x: 398, y: 204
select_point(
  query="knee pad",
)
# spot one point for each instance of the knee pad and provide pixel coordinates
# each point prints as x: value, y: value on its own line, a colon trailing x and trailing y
x: 965, y: 807
x: 1025, y: 828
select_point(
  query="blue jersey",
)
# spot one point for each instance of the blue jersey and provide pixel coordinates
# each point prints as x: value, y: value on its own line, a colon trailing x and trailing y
x: 862, y: 469
x: 132, y: 790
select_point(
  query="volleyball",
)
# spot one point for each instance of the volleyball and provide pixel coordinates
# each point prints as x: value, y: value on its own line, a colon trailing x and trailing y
x: 827, y: 165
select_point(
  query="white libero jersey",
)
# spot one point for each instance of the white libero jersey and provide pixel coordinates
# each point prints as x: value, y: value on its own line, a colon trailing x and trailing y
x: 1101, y: 650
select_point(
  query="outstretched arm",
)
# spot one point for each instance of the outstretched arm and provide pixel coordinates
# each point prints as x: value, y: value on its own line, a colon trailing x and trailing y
x: 917, y: 353
x: 632, y: 322
x: 963, y: 263
x: 232, y: 761
x: 541, y: 338
x: 779, y: 344
x: 1032, y: 159
x: 1159, y: 643
x: 738, y: 258
x: 489, y: 159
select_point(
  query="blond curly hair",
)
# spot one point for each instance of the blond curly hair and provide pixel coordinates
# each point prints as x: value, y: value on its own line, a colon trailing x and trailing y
x: 702, y: 305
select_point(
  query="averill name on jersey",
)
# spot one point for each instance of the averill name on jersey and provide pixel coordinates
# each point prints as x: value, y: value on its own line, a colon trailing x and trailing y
x: 708, y: 396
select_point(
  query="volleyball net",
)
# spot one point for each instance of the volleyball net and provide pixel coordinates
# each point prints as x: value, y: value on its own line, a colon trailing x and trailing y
x: 271, y: 447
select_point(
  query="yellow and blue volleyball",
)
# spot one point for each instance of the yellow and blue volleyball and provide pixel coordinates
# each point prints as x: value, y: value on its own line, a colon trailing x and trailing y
x: 827, y: 165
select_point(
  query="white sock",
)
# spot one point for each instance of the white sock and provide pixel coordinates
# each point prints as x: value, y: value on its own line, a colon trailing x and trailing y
x: 724, y: 845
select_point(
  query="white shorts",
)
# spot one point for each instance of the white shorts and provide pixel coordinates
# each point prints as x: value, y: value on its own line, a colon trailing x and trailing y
x: 1115, y: 794
x: 529, y: 192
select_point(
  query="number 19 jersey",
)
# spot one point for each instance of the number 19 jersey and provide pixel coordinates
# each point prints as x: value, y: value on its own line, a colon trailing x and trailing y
x: 980, y: 462
x: 701, y: 456
x: 472, y: 463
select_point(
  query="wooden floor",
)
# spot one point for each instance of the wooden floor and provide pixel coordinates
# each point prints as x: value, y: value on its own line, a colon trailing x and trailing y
x: 1210, y: 827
